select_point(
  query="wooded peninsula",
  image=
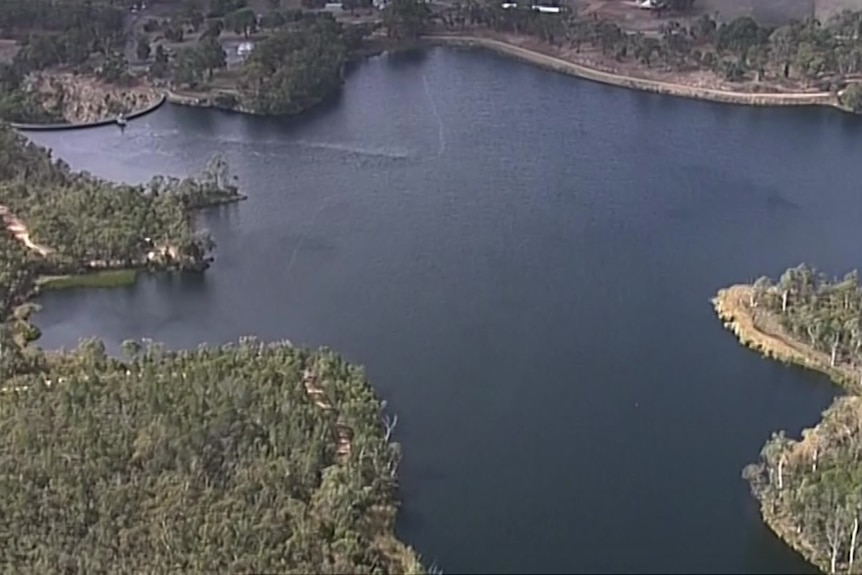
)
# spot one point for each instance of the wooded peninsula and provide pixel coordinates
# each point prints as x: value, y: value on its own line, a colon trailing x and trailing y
x: 809, y: 489
x: 249, y: 457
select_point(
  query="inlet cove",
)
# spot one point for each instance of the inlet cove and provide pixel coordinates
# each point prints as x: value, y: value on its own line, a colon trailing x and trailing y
x: 523, y: 263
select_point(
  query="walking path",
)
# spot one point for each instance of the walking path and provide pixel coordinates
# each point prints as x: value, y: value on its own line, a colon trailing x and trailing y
x: 662, y: 87
x: 17, y: 228
x: 315, y: 392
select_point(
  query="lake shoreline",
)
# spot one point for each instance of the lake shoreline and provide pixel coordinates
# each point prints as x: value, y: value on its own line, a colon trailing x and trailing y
x: 575, y: 69
x: 210, y: 98
x: 732, y: 305
x: 25, y: 127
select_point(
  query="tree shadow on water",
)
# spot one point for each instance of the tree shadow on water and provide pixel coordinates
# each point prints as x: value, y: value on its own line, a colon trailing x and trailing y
x: 406, y: 58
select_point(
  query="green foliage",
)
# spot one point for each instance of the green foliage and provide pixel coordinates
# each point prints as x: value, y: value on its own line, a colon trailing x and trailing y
x: 825, y: 314
x: 104, y: 279
x: 245, y: 458
x: 242, y: 21
x: 406, y: 19
x: 16, y: 105
x: 62, y: 32
x: 296, y: 68
x: 807, y: 52
x: 811, y: 490
x: 852, y: 97
x: 210, y: 461
x: 221, y: 8
x: 211, y: 54
x: 88, y: 223
x: 143, y: 49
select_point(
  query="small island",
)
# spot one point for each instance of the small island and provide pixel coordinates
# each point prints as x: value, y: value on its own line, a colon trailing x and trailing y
x: 249, y: 457
x: 810, y: 489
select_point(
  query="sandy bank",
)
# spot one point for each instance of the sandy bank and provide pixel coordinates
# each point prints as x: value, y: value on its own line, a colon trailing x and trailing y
x: 632, y: 82
x: 764, y: 336
x: 20, y: 232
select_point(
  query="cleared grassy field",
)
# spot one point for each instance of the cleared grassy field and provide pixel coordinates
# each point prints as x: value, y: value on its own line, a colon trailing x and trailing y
x: 825, y: 9
x: 777, y: 12
x: 769, y: 12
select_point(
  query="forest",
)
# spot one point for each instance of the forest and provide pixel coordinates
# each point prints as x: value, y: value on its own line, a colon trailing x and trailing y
x: 297, y: 67
x: 810, y: 490
x: 249, y: 457
x: 210, y: 461
x: 824, y: 313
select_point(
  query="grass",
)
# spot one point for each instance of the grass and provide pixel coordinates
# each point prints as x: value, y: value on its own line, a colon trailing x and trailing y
x: 102, y: 279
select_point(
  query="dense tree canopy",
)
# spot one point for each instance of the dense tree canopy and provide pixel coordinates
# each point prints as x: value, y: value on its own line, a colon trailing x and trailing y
x: 297, y: 67
x: 211, y: 461
x: 406, y: 19
x: 823, y: 313
x: 86, y: 222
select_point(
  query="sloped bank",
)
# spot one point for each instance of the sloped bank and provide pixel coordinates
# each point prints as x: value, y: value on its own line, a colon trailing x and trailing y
x: 656, y: 86
x: 794, y: 479
x: 106, y: 122
x: 736, y: 314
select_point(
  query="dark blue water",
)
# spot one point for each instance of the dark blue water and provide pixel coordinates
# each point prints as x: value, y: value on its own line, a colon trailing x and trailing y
x: 524, y: 262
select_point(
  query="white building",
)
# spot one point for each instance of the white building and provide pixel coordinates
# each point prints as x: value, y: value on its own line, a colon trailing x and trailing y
x: 244, y: 49
x: 546, y: 9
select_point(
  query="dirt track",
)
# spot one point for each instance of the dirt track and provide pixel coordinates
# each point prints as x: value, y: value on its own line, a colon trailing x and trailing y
x: 17, y: 228
x: 661, y: 87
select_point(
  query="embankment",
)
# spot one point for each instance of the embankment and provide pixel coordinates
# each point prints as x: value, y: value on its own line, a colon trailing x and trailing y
x: 760, y: 331
x: 765, y: 337
x: 105, y: 122
x: 205, y: 100
x: 632, y: 82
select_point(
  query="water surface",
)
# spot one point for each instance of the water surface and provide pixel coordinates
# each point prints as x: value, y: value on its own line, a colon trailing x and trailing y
x: 523, y: 261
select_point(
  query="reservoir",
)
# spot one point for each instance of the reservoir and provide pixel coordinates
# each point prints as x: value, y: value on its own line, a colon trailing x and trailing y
x: 523, y: 261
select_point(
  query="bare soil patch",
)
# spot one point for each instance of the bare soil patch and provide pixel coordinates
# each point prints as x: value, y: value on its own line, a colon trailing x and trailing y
x: 8, y: 49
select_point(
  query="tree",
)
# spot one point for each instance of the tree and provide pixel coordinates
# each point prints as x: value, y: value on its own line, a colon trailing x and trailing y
x: 187, y: 67
x: 114, y: 68
x: 160, y: 67
x: 214, y: 28
x: 272, y: 20
x: 142, y: 49
x: 405, y: 19
x: 242, y: 21
x: 211, y: 54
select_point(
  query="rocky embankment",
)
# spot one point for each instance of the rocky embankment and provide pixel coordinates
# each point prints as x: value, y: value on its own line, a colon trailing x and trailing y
x: 86, y: 99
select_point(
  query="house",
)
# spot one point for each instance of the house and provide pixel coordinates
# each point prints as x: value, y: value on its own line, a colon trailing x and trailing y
x: 244, y: 49
x: 648, y: 5
x: 333, y: 7
x: 546, y: 9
